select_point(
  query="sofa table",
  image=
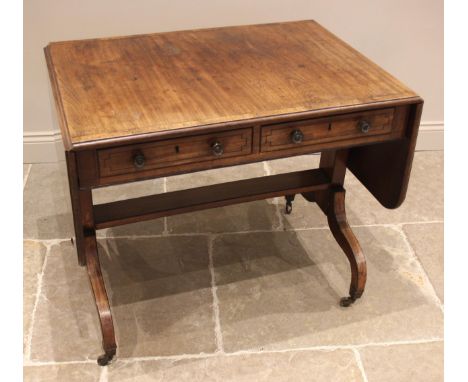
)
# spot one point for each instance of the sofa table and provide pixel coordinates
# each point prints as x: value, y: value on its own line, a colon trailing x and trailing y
x: 155, y: 105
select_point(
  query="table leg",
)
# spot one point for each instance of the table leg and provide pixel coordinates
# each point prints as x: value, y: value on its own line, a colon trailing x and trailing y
x: 88, y: 255
x: 332, y: 203
x: 100, y: 296
x: 76, y: 208
x: 343, y: 234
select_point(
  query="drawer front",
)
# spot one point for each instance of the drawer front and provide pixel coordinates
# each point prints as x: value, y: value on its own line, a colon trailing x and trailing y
x: 310, y: 132
x: 172, y: 152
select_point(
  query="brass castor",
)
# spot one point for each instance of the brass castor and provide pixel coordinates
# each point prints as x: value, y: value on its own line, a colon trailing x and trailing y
x: 105, y: 359
x: 346, y: 302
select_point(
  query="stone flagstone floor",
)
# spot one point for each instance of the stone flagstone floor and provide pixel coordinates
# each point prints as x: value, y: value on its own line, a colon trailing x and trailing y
x: 241, y: 293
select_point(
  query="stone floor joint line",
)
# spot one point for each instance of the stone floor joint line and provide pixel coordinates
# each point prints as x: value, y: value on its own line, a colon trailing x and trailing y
x: 423, y: 271
x: 360, y: 365
x: 214, y: 292
x: 169, y: 234
x: 28, y: 171
x: 36, y: 302
x: 104, y: 375
x: 177, y: 357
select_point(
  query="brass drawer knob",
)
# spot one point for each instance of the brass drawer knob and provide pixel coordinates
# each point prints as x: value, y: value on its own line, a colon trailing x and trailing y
x: 364, y: 126
x: 217, y: 149
x: 139, y: 160
x: 297, y: 136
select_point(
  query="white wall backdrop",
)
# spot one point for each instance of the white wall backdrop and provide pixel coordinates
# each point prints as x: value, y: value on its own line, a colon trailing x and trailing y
x: 404, y: 37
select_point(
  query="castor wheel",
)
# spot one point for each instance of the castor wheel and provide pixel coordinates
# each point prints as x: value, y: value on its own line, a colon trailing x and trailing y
x: 289, y: 200
x: 105, y: 359
x: 346, y: 302
x: 72, y: 241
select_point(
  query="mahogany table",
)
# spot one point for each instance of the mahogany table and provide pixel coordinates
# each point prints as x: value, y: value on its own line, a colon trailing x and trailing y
x: 155, y: 105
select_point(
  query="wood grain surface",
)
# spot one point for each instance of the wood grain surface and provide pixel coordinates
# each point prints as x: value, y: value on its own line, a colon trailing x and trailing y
x: 126, y: 86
